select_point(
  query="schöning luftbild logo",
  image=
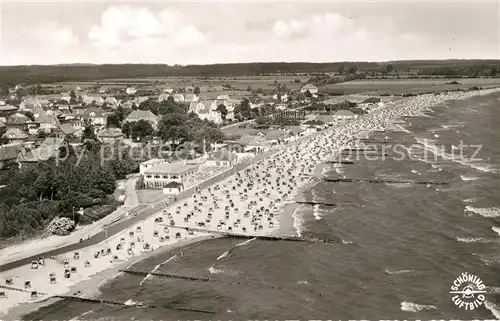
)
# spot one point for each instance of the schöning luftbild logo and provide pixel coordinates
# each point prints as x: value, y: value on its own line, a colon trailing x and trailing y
x: 468, y: 291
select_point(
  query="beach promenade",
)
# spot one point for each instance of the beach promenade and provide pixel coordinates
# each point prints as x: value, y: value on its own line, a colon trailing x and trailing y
x: 142, y: 212
x: 245, y: 200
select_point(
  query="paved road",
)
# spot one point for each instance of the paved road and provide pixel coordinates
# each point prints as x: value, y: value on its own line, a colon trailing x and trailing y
x: 142, y: 213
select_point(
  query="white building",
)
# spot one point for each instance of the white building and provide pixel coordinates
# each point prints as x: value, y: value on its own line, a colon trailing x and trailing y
x: 206, y: 110
x: 344, y: 114
x: 150, y: 164
x: 179, y: 98
x: 160, y: 176
x: 131, y: 91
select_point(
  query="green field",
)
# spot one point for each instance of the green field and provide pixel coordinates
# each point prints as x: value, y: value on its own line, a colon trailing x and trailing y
x: 401, y: 86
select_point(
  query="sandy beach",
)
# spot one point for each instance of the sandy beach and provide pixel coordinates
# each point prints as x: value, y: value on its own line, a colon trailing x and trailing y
x: 250, y: 202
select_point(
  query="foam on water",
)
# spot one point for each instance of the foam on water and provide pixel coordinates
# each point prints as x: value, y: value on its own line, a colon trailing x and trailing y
x: 396, y: 272
x: 213, y: 270
x: 429, y: 145
x: 130, y: 302
x: 298, y: 221
x: 468, y: 178
x: 413, y: 307
x: 223, y: 255
x: 473, y: 240
x: 494, y: 308
x: 149, y: 275
x: 245, y: 242
x: 486, y: 212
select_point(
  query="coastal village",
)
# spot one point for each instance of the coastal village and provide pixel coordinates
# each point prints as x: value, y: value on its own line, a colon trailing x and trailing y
x: 34, y: 127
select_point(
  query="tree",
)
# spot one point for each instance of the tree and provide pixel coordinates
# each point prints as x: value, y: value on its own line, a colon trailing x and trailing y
x: 196, y: 90
x: 141, y: 129
x: 113, y: 120
x: 4, y: 140
x: 389, y: 68
x: 88, y: 133
x: 223, y: 110
x: 30, y: 115
x: 308, y: 94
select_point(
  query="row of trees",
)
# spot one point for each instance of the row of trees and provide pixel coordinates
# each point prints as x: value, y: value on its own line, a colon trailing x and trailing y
x: 33, y: 195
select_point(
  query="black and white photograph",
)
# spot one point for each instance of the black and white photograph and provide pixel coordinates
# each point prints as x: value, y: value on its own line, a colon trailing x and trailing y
x: 249, y: 160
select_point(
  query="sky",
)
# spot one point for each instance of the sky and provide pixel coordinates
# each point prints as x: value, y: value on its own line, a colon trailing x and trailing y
x: 206, y: 32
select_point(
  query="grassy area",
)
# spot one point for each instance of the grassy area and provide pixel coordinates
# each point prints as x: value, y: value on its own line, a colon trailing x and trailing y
x: 401, y: 86
x: 238, y: 83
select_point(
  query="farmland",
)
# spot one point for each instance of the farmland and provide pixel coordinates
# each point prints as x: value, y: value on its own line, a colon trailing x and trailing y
x: 401, y: 86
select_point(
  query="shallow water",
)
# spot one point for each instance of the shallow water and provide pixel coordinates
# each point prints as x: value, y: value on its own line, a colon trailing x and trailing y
x: 403, y: 244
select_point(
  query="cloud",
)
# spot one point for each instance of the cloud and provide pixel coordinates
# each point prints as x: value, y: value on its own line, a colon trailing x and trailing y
x: 122, y: 24
x: 208, y: 32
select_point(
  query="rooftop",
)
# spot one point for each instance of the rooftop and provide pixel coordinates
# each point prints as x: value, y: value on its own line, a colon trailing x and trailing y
x: 171, y: 168
x: 153, y: 161
x: 344, y: 113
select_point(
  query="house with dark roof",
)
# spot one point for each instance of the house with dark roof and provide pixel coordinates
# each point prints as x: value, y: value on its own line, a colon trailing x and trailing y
x: 15, y: 135
x: 3, y: 127
x: 17, y: 120
x: 7, y: 110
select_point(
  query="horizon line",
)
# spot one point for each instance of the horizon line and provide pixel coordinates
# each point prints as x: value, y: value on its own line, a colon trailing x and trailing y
x: 254, y: 62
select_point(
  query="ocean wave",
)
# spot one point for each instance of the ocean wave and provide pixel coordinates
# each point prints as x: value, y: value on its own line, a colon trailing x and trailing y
x: 398, y: 185
x: 429, y: 144
x: 496, y: 229
x: 494, y: 308
x: 223, y: 255
x: 131, y: 302
x: 302, y: 282
x: 468, y: 178
x: 149, y: 275
x: 213, y: 270
x: 413, y: 307
x: 486, y: 212
x: 396, y: 272
x: 298, y: 221
x: 246, y: 242
x: 470, y: 200
x: 473, y: 240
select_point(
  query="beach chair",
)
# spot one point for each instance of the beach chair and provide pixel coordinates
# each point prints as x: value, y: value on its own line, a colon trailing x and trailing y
x: 3, y: 295
x: 87, y: 264
x: 73, y: 269
x: 155, y: 233
x: 34, y: 295
x: 34, y: 265
x: 27, y: 284
x: 76, y: 256
x: 52, y: 280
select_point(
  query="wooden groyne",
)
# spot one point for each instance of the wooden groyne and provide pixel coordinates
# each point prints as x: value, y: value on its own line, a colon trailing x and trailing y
x: 379, y: 181
x: 139, y: 305
x: 11, y: 288
x: 166, y: 275
x: 316, y: 203
x: 341, y: 162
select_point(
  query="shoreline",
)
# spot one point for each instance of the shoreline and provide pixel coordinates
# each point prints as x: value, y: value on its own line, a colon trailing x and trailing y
x: 288, y: 220
x: 90, y: 288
